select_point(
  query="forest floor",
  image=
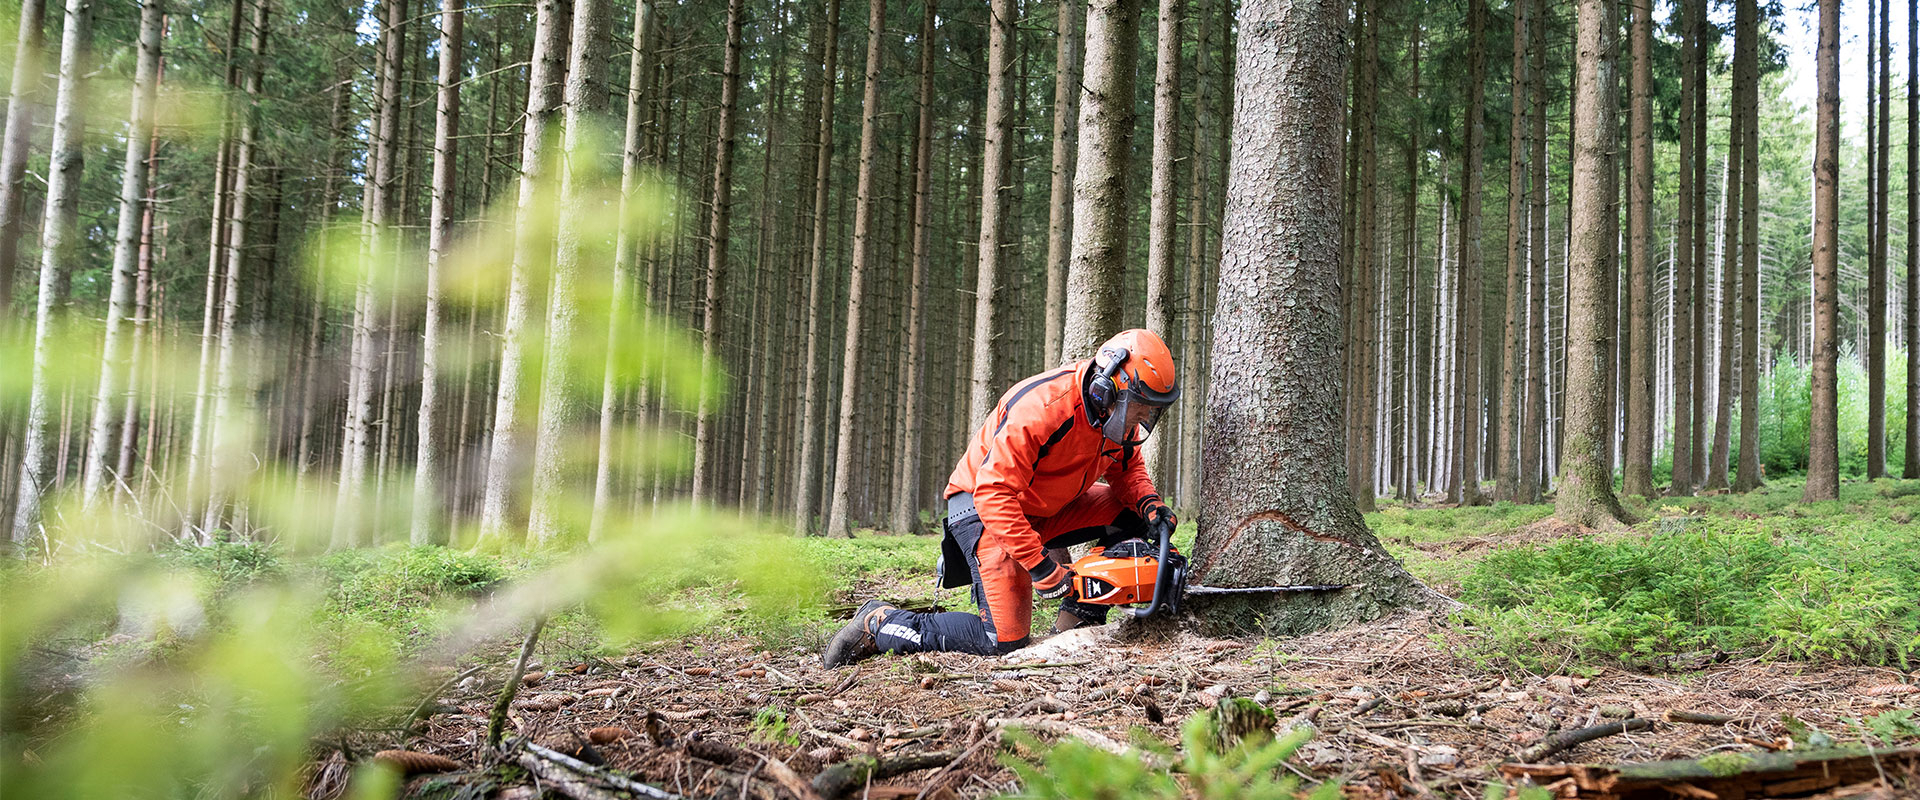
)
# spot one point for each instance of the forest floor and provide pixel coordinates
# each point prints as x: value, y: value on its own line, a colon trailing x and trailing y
x: 1427, y: 704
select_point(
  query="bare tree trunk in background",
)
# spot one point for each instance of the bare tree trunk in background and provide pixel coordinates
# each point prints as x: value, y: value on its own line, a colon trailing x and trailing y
x: 530, y: 255
x: 813, y: 410
x: 705, y: 438
x: 1747, y: 87
x: 906, y: 465
x: 1697, y: 20
x: 116, y: 367
x: 1823, y: 458
x: 216, y: 263
x: 996, y: 189
x: 1586, y: 489
x: 1472, y: 186
x: 1162, y: 217
x: 59, y: 256
x: 145, y: 296
x: 1100, y: 209
x: 18, y: 142
x: 1359, y: 322
x: 1199, y: 216
x: 1513, y: 361
x: 1638, y: 471
x: 231, y: 443
x: 1406, y: 468
x: 866, y: 262
x: 1533, y: 426
x: 1728, y: 348
x: 1681, y: 375
x: 1066, y: 110
x: 639, y: 67
x: 1877, y: 273
x: 446, y: 132
x: 1274, y: 459
x: 1911, y: 469
x: 585, y: 97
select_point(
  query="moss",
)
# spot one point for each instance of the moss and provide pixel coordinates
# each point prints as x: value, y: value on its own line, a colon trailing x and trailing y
x: 1722, y: 765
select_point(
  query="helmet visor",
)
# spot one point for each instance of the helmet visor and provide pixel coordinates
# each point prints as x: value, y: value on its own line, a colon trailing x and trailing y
x: 1132, y: 419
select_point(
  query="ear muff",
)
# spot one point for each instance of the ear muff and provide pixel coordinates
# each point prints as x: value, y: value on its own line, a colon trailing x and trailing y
x: 1101, y: 391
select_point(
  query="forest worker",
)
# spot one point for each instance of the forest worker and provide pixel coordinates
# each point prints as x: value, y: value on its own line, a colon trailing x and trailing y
x: 1027, y: 485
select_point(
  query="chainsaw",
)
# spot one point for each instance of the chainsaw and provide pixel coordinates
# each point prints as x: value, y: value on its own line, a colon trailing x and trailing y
x: 1134, y: 571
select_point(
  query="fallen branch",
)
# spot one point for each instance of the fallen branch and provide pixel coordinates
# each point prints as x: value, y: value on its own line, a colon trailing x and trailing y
x: 563, y: 781
x: 843, y: 778
x: 1045, y: 665
x: 788, y: 778
x: 934, y: 782
x: 419, y: 710
x: 538, y: 754
x: 1570, y: 739
x: 1091, y: 738
x: 1698, y: 717
x: 497, y: 721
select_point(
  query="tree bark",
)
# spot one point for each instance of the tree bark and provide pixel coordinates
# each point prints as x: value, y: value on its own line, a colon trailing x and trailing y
x: 1680, y: 377
x: 1823, y: 457
x: 1162, y: 219
x: 1472, y: 185
x: 59, y: 256
x: 17, y: 142
x: 1275, y: 495
x: 1513, y: 357
x: 1533, y: 427
x: 115, y: 389
x: 865, y: 261
x: 996, y: 191
x: 813, y: 410
x: 1638, y: 471
x: 581, y: 173
x: 544, y: 75
x: 906, y: 490
x: 1911, y: 467
x: 1727, y: 348
x: 1359, y: 299
x: 1748, y: 88
x: 1586, y: 488
x: 1406, y: 468
x: 1100, y: 209
x: 1199, y: 220
x: 1066, y: 110
x: 446, y: 136
x: 1877, y: 273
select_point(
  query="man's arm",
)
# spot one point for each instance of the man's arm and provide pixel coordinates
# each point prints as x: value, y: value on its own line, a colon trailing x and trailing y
x: 1001, y: 479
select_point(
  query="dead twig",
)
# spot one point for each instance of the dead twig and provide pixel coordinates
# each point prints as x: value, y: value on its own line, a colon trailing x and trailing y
x: 1570, y: 739
x: 841, y: 779
x: 497, y: 721
x: 1698, y: 717
x: 553, y: 766
x: 788, y: 778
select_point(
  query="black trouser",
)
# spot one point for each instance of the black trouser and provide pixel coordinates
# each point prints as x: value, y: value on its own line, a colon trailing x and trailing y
x: 903, y: 631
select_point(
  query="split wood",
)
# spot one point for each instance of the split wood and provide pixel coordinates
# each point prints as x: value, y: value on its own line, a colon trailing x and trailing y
x: 552, y: 766
x: 1570, y: 739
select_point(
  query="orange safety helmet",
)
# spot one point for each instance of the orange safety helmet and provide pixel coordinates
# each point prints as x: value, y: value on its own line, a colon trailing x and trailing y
x: 1131, y: 383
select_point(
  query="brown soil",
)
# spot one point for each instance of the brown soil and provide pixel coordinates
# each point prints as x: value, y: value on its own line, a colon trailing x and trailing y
x: 1431, y: 722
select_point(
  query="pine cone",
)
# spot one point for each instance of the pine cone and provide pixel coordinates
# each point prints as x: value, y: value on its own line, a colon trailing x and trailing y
x: 410, y: 762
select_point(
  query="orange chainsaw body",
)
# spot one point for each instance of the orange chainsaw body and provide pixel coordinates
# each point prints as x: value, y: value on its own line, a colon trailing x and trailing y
x: 1116, y: 581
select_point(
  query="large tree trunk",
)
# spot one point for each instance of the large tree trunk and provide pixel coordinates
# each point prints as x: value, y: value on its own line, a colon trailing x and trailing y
x: 1877, y: 275
x: 1100, y: 209
x: 1513, y: 360
x: 1728, y: 331
x: 1747, y: 86
x: 1823, y: 458
x: 17, y: 141
x: 115, y: 366
x: 1533, y: 427
x: 1681, y: 375
x: 906, y: 490
x: 995, y: 191
x: 639, y: 67
x: 1472, y: 183
x: 446, y: 133
x: 865, y: 259
x: 1066, y: 111
x: 1638, y: 471
x: 1586, y: 487
x: 530, y: 247
x: 1911, y: 469
x: 1275, y: 500
x: 561, y: 406
x: 1162, y: 220
x: 813, y: 410
x: 59, y: 256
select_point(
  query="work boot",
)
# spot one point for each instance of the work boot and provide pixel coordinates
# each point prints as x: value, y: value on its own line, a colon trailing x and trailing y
x: 855, y: 641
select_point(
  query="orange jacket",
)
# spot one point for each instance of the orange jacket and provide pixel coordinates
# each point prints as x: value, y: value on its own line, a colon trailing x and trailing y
x: 1035, y: 453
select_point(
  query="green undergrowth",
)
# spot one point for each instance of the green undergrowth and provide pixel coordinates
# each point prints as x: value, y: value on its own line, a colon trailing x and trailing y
x: 1205, y: 767
x: 1709, y: 579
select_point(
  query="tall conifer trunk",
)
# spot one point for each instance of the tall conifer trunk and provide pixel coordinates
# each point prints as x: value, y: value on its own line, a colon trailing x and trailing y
x: 1638, y: 471
x: 1469, y: 425
x: 906, y: 490
x: 1877, y: 271
x: 1066, y: 111
x: 17, y: 141
x: 866, y: 262
x: 1513, y: 357
x: 1100, y: 208
x: 1680, y: 377
x: 446, y: 133
x: 639, y: 69
x: 1162, y: 217
x: 995, y: 194
x: 813, y: 407
x: 1823, y: 461
x: 1747, y: 86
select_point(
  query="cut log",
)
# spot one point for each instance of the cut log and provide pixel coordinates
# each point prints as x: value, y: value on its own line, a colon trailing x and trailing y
x: 1749, y: 775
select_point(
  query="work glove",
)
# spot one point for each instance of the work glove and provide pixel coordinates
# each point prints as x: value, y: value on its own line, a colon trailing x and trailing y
x: 1051, y: 579
x: 1160, y: 518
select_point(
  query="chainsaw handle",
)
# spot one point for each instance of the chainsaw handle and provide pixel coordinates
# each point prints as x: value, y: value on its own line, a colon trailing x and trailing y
x: 1162, y: 578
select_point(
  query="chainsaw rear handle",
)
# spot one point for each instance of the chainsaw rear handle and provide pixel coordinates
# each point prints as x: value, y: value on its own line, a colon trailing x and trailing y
x: 1162, y: 578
